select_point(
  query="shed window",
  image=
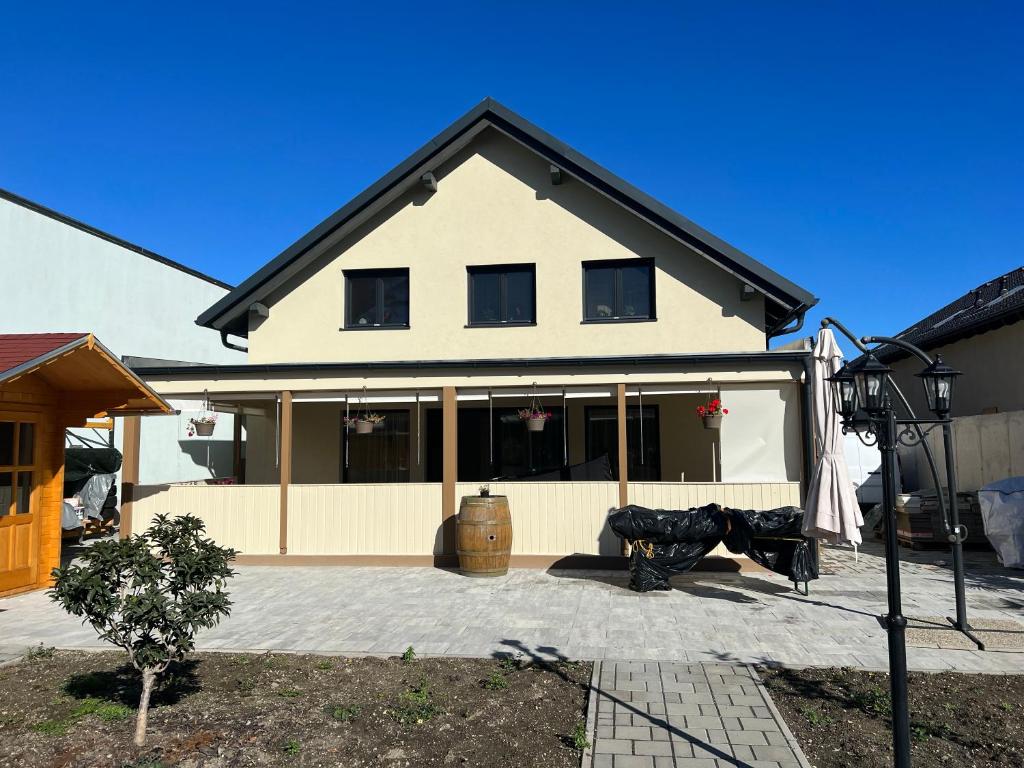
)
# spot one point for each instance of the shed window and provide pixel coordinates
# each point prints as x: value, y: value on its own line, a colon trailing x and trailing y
x: 376, y: 298
x: 17, y: 467
x: 502, y: 295
x: 618, y: 290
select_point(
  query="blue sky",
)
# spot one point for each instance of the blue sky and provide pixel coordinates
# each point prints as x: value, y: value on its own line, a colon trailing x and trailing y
x: 872, y: 152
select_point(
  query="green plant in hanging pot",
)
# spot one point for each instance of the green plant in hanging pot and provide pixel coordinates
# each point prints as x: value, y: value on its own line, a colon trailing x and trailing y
x: 711, y: 413
x: 535, y: 418
x: 364, y: 423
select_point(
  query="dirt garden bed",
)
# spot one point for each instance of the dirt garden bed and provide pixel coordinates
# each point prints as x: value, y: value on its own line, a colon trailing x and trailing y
x: 841, y: 717
x: 62, y: 709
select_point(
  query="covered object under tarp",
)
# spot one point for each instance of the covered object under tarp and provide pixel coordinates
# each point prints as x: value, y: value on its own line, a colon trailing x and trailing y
x: 667, y: 542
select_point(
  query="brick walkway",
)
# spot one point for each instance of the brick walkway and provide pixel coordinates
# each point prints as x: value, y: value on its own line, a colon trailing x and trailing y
x: 673, y: 715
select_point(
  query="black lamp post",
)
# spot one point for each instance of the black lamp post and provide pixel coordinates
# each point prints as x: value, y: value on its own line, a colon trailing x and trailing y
x: 862, y: 396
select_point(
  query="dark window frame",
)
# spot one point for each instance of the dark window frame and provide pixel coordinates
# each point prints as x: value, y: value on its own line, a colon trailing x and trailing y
x: 618, y: 264
x: 379, y: 274
x: 502, y: 271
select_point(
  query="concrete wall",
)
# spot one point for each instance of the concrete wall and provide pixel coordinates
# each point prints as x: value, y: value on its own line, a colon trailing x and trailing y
x: 71, y: 280
x: 495, y: 204
x: 993, y: 368
x: 987, y: 448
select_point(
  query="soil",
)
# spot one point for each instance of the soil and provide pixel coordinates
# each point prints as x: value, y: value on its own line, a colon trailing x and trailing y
x: 841, y: 717
x: 61, y: 709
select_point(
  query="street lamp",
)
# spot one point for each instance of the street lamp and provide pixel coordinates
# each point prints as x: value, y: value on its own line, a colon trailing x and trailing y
x: 866, y: 384
x: 872, y: 377
x: 844, y: 392
x: 938, y: 386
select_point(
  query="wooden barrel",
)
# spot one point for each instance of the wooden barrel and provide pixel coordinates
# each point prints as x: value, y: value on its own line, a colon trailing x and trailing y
x: 484, y: 535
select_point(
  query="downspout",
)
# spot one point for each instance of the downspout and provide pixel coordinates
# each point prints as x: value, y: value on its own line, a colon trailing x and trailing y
x: 797, y: 315
x: 807, y: 427
x: 229, y: 345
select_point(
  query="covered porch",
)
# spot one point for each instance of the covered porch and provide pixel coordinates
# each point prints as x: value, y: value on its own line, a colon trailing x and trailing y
x: 309, y: 489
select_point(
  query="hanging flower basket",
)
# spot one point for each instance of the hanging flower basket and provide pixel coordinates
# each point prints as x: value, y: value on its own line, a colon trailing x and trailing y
x: 203, y: 428
x: 711, y: 414
x: 364, y: 423
x: 535, y: 419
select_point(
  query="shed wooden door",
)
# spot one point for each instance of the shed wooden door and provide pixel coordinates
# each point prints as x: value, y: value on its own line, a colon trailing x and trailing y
x: 19, y: 500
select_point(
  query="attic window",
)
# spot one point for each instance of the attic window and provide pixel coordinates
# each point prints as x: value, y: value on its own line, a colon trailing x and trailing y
x: 376, y: 298
x: 619, y: 290
x: 503, y: 294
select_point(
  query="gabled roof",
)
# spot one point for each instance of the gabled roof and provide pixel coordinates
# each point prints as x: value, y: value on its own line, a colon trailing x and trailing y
x: 78, y: 366
x: 18, y: 349
x: 786, y: 299
x: 24, y: 202
x: 993, y: 304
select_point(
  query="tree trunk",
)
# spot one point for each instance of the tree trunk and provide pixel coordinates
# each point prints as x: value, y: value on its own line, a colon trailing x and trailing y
x: 148, y: 678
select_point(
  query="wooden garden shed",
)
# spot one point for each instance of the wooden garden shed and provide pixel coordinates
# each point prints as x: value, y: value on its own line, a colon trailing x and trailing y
x: 50, y: 382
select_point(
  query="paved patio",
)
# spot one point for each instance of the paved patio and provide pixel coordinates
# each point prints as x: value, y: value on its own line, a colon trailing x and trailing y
x: 708, y: 617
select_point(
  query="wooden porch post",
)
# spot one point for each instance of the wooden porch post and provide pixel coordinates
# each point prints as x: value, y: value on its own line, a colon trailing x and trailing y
x: 450, y: 464
x: 129, y: 470
x: 623, y: 468
x: 286, y: 465
x: 236, y: 449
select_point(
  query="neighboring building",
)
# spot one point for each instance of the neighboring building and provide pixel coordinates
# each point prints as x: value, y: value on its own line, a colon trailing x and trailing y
x: 72, y: 276
x: 979, y: 334
x: 493, y: 269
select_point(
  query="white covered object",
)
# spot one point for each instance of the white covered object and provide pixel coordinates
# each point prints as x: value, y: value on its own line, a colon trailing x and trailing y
x: 94, y: 494
x: 1002, y: 512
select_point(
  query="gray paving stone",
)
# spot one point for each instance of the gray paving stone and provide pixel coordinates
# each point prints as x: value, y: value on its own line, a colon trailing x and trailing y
x: 634, y: 761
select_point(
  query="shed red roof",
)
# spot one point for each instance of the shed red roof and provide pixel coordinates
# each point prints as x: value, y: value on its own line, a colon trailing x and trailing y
x: 19, y: 348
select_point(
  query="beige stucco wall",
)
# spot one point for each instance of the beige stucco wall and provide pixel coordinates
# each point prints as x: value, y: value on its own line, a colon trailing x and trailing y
x: 495, y: 204
x: 993, y: 368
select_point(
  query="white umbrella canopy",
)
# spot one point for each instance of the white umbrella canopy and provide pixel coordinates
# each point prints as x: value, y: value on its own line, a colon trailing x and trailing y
x: 832, y: 512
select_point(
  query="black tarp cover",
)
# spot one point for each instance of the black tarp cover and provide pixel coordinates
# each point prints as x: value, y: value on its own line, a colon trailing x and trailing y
x: 83, y: 463
x: 667, y: 542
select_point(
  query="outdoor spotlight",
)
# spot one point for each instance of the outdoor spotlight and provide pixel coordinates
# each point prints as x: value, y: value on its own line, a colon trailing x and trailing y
x: 844, y: 392
x: 938, y: 386
x: 872, y: 382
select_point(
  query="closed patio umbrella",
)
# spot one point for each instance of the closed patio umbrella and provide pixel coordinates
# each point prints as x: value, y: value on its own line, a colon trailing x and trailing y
x: 832, y: 512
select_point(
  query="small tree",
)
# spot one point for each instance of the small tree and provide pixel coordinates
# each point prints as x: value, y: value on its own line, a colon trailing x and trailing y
x: 150, y: 594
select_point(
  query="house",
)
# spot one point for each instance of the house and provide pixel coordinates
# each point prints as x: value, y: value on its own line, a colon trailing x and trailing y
x: 981, y: 334
x: 977, y: 333
x: 494, y: 270
x: 138, y: 302
x: 50, y: 382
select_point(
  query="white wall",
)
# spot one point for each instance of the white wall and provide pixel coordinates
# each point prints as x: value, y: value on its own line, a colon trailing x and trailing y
x: 70, y: 280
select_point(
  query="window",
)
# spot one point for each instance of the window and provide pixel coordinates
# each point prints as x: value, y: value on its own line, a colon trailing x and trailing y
x: 618, y: 290
x: 517, y: 453
x: 376, y: 298
x: 502, y: 295
x: 382, y: 456
x: 17, y: 467
x: 643, y: 440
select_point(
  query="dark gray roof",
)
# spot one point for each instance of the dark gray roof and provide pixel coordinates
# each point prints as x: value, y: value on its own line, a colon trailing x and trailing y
x: 996, y: 303
x: 786, y: 299
x: 24, y: 202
